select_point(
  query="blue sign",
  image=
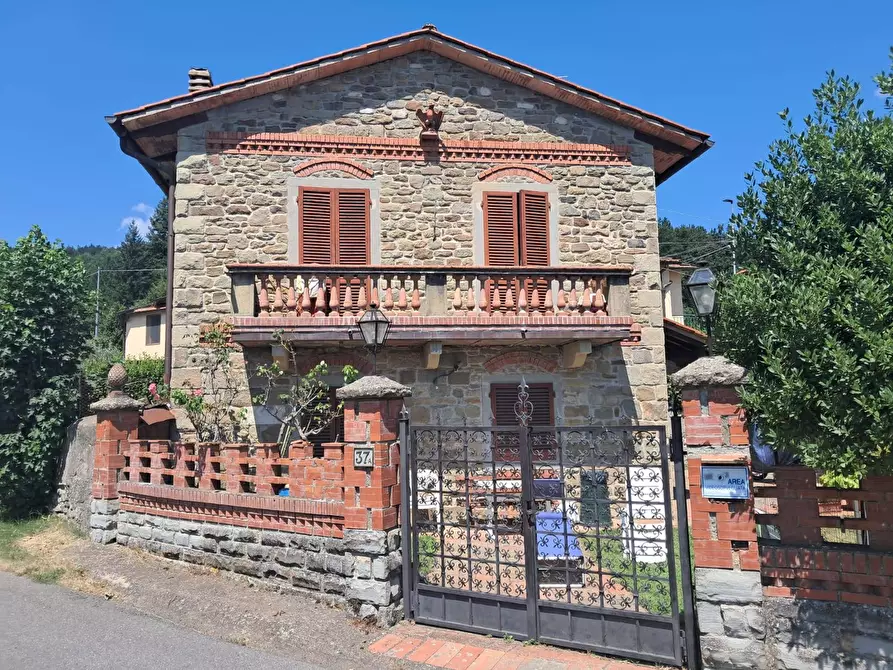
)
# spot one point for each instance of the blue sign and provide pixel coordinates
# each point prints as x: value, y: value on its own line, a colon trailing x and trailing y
x: 725, y: 482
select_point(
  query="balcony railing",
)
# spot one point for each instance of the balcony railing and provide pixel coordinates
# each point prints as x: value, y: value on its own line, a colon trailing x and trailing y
x: 310, y: 291
x: 316, y: 302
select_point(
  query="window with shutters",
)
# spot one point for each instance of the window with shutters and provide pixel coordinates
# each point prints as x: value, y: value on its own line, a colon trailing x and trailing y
x: 333, y: 226
x: 516, y: 234
x: 334, y: 230
x: 502, y: 406
x: 516, y: 228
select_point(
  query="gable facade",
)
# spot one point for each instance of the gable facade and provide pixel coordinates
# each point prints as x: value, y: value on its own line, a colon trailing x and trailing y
x: 241, y: 175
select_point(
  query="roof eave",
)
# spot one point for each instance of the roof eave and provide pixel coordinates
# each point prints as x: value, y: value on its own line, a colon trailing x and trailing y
x: 690, y: 143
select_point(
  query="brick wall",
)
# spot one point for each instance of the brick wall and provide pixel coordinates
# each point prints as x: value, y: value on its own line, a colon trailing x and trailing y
x: 796, y: 596
x: 223, y: 505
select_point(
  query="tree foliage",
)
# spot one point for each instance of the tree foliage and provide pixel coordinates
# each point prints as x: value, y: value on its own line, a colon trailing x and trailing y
x: 812, y: 320
x: 44, y: 323
x: 122, y: 290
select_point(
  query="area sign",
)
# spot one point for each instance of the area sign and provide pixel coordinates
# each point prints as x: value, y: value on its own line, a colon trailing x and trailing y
x: 725, y: 482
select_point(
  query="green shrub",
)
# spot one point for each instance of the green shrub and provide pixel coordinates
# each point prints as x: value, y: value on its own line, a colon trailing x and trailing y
x: 141, y: 372
x: 44, y: 323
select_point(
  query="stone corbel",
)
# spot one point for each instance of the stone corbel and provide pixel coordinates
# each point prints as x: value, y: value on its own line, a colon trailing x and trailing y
x: 431, y: 355
x: 280, y: 356
x: 574, y: 354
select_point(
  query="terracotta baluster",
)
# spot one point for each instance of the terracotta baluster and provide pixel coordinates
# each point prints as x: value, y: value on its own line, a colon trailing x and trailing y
x: 485, y: 294
x: 278, y: 303
x: 470, y: 302
x: 598, y: 302
x: 361, y: 298
x: 373, y: 298
x: 457, y: 296
x: 416, y: 295
x: 321, y: 298
x: 401, y: 296
x: 333, y: 297
x: 586, y: 302
x: 572, y: 296
x: 305, y: 301
x: 547, y: 304
x: 535, y: 299
x: 347, y: 305
x: 522, y: 297
x: 562, y: 299
x: 292, y: 305
x: 388, y: 297
x: 263, y: 298
x: 495, y: 302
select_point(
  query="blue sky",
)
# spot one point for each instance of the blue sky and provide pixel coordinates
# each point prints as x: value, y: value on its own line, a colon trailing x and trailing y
x: 723, y: 67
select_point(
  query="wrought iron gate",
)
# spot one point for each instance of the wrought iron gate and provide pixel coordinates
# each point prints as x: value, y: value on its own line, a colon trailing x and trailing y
x: 559, y: 534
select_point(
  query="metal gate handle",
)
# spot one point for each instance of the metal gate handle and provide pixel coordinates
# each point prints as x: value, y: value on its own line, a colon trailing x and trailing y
x: 529, y: 514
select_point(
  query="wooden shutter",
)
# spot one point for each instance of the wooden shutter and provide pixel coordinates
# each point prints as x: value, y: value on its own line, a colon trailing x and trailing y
x: 501, y: 229
x: 352, y: 224
x: 534, y: 228
x: 316, y: 226
x: 504, y: 396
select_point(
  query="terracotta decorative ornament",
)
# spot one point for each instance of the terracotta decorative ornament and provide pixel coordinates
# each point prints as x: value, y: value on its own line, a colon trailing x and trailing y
x: 431, y: 121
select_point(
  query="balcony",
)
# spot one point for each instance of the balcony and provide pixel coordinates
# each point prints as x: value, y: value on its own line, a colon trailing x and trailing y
x: 451, y: 305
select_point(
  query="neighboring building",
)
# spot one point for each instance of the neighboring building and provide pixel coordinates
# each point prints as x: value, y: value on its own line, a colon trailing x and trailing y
x: 516, y: 236
x: 684, y: 343
x: 144, y: 330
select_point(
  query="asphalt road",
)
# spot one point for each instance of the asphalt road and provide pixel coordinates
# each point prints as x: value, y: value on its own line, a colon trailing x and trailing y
x: 45, y: 627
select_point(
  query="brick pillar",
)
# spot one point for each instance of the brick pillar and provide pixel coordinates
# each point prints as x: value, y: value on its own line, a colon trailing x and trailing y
x: 728, y: 587
x: 117, y: 420
x: 372, y: 494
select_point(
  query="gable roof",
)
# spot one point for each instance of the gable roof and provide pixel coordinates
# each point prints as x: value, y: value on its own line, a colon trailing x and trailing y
x: 148, y: 133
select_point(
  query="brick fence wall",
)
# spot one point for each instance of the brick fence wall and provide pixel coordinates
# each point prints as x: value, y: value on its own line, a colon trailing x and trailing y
x: 317, y: 524
x: 799, y: 576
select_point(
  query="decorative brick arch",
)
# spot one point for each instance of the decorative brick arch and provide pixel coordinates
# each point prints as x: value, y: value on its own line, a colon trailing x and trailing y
x: 335, y: 360
x: 529, y: 358
x: 333, y: 163
x: 534, y: 173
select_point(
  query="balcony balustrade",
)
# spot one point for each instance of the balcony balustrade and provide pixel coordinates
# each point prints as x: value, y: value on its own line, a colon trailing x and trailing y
x: 321, y: 303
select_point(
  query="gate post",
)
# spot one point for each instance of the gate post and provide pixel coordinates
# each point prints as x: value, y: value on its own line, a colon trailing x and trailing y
x: 726, y: 557
x: 117, y: 421
x: 372, y: 494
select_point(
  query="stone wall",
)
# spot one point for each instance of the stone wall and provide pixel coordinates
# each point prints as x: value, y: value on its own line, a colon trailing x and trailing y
x: 360, y: 571
x: 236, y: 207
x: 73, y: 492
x: 606, y: 390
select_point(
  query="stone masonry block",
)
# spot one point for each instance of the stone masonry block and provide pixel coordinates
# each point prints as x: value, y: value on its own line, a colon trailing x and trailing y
x: 728, y: 586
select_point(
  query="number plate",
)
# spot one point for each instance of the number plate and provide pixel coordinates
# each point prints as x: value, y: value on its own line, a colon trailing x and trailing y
x: 363, y: 457
x: 725, y: 482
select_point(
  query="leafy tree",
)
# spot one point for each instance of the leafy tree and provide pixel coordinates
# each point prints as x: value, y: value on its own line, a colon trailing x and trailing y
x: 812, y: 320
x: 44, y: 322
x: 156, y: 252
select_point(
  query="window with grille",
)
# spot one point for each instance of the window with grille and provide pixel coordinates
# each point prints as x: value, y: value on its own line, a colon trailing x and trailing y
x: 502, y: 406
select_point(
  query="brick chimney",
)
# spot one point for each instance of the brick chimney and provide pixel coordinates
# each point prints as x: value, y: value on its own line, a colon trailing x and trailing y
x: 199, y: 79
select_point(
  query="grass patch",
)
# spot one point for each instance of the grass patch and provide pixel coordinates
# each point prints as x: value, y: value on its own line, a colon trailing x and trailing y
x: 11, y: 532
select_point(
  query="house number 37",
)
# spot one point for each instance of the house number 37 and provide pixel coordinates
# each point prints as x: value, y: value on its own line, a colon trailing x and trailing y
x: 362, y: 457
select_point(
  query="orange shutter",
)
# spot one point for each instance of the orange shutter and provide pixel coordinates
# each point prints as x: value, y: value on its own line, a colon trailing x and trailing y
x: 352, y: 224
x: 316, y: 226
x: 534, y: 228
x: 501, y: 229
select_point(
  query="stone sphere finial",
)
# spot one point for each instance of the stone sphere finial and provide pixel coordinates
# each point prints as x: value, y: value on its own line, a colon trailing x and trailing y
x: 117, y: 378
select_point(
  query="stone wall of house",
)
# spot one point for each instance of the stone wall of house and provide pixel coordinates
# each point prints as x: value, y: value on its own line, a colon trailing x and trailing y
x: 234, y: 207
x: 360, y: 571
x: 608, y: 389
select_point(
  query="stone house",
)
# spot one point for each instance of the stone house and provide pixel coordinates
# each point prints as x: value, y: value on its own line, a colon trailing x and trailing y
x: 504, y: 218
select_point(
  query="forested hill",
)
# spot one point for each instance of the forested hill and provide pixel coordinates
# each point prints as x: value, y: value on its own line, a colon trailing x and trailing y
x: 119, y: 289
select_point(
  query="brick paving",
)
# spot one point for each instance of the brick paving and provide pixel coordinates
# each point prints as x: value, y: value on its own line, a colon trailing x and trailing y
x: 456, y: 650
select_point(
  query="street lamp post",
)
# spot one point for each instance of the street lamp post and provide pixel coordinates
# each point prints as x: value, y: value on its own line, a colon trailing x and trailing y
x: 703, y: 295
x: 374, y: 327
